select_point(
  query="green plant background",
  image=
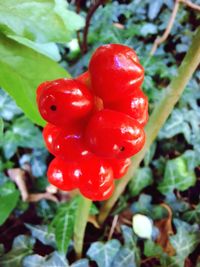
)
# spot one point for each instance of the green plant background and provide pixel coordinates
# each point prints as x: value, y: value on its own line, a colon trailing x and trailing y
x: 38, y: 42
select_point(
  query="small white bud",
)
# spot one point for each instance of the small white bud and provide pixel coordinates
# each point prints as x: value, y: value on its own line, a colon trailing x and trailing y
x: 142, y: 226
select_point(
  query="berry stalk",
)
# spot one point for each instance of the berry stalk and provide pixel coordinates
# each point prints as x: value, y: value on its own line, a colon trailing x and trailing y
x: 159, y: 116
x: 82, y: 214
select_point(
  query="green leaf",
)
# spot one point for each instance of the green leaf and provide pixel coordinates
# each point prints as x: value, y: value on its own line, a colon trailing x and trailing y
x: 94, y: 210
x: 37, y: 160
x: 192, y: 216
x: 184, y: 242
x: 22, y: 133
x: 154, y: 8
x: 125, y: 257
x: 21, y: 247
x: 1, y: 131
x: 8, y: 108
x: 148, y: 28
x: 176, y: 204
x: 152, y: 249
x: 9, y: 197
x: 41, y: 233
x: 130, y: 242
x: 81, y: 263
x: 144, y: 206
x: 40, y: 21
x: 63, y: 224
x: 48, y: 49
x: 176, y: 176
x: 22, y: 70
x: 64, y: 230
x: 104, y: 253
x: 142, y: 178
x: 53, y: 260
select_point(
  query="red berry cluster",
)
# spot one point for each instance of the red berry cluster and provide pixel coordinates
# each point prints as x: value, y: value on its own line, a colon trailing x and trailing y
x: 95, y: 122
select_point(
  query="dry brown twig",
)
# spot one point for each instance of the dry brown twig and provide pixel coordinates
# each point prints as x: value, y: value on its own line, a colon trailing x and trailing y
x: 114, y: 224
x: 163, y: 38
x: 18, y: 176
x: 39, y: 196
x: 87, y: 23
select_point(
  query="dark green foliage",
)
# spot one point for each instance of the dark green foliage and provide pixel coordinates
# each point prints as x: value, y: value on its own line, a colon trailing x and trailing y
x: 170, y: 171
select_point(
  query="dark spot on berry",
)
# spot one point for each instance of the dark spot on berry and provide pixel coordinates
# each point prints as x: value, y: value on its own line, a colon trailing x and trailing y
x: 53, y: 108
x: 122, y: 148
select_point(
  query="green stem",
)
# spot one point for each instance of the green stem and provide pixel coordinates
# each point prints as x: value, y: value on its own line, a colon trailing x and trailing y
x: 80, y: 224
x: 159, y: 116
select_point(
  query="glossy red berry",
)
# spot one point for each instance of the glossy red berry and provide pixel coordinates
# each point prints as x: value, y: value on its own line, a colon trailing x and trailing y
x: 134, y: 104
x: 64, y: 174
x: 96, y: 179
x: 64, y: 100
x: 119, y: 166
x: 66, y: 143
x: 85, y: 79
x: 114, y: 134
x: 50, y: 134
x: 114, y: 71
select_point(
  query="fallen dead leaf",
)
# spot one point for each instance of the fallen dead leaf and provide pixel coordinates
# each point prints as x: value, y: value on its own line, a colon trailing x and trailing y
x: 18, y: 176
x: 118, y: 25
x: 165, y: 228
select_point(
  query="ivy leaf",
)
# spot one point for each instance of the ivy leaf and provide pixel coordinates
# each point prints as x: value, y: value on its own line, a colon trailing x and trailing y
x: 37, y: 160
x: 152, y: 249
x: 154, y: 8
x: 22, y: 70
x: 55, y: 260
x: 64, y: 230
x: 22, y: 133
x: 148, y: 28
x: 184, y: 242
x: 8, y: 108
x: 41, y: 233
x: 21, y: 247
x: 104, y: 253
x: 52, y: 21
x: 129, y: 254
x: 125, y: 257
x: 9, y: 197
x: 177, y: 205
x: 81, y: 263
x: 142, y: 178
x: 63, y: 224
x: 176, y: 176
x: 144, y: 206
x: 192, y: 216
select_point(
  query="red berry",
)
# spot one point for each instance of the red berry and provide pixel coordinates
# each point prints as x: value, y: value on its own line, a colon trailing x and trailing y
x: 114, y: 134
x: 64, y: 100
x: 85, y: 79
x: 134, y: 104
x: 65, y: 143
x: 114, y: 70
x: 119, y: 166
x: 63, y: 174
x: 50, y: 134
x: 96, y: 180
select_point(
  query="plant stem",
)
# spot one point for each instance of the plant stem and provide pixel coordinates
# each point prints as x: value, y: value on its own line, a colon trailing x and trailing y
x: 160, y: 114
x: 80, y: 224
